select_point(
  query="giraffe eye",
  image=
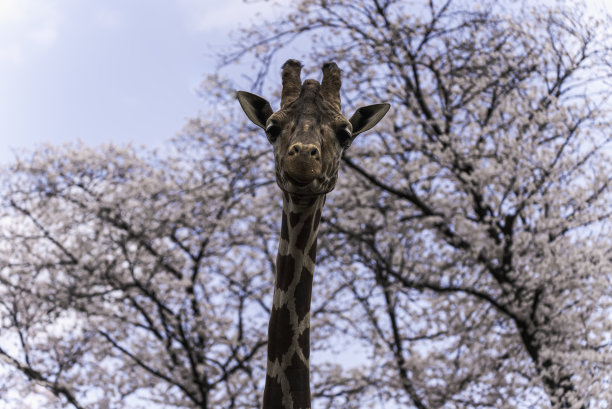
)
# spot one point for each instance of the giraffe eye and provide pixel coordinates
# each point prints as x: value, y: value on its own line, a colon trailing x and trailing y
x: 344, y: 136
x: 273, y: 131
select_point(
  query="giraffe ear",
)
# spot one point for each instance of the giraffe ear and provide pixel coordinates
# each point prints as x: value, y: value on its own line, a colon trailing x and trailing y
x: 256, y: 108
x: 366, y: 117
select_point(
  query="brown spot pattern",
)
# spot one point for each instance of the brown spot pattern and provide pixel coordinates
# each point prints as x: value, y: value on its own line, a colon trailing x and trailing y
x: 303, y: 292
x: 312, y: 253
x: 278, y: 342
x: 272, y: 391
x: 304, y: 342
x: 298, y: 375
x: 304, y: 235
x: 284, y: 228
x: 285, y: 271
x: 294, y: 218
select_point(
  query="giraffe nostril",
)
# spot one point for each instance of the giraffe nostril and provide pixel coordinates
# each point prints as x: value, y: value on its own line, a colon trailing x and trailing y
x: 305, y: 150
x: 294, y: 150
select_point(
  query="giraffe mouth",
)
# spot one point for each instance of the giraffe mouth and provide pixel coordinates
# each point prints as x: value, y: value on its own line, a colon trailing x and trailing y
x: 301, y: 173
x: 311, y: 187
x: 298, y: 183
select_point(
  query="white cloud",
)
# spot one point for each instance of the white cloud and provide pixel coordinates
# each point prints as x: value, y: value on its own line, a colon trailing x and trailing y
x: 12, y: 10
x: 44, y: 35
x: 26, y: 25
x: 227, y: 14
x: 108, y: 18
x: 10, y: 53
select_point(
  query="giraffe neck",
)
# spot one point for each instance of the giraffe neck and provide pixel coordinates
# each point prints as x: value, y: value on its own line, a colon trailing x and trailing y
x: 288, y: 366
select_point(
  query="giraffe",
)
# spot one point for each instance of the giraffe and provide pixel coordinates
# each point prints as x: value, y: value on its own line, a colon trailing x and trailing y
x: 308, y: 135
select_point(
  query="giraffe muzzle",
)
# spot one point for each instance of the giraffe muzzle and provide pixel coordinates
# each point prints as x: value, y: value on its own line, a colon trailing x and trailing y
x: 303, y: 163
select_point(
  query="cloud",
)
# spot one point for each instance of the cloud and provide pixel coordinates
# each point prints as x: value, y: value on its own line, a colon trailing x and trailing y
x: 108, y: 18
x: 26, y: 25
x: 44, y: 35
x: 11, y: 10
x: 227, y: 14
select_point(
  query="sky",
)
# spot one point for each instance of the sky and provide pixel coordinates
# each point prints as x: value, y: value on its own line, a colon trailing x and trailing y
x: 112, y: 70
x: 108, y: 70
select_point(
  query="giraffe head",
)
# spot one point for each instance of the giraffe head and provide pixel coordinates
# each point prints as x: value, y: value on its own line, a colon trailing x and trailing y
x: 309, y: 132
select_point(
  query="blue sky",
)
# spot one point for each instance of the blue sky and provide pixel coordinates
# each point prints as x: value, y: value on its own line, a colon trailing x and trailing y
x: 111, y: 70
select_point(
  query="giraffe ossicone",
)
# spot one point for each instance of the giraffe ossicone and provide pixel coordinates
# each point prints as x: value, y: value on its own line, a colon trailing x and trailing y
x: 308, y: 135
